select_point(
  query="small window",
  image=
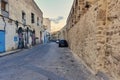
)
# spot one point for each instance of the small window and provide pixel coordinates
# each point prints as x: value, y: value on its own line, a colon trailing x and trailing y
x: 23, y: 17
x: 32, y: 18
x: 38, y: 21
x: 4, y: 5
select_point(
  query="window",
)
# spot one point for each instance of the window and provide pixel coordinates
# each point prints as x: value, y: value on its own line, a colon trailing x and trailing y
x: 38, y: 21
x: 32, y: 18
x: 4, y: 8
x: 23, y: 17
x: 4, y: 5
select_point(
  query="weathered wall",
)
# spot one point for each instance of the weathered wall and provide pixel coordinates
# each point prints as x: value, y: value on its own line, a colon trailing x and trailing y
x: 63, y: 33
x: 28, y: 6
x: 82, y: 38
x: 10, y: 32
x: 96, y: 38
x: 15, y: 9
x: 112, y: 58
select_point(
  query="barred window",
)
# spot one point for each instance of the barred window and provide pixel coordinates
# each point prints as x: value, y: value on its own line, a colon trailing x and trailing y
x: 32, y: 18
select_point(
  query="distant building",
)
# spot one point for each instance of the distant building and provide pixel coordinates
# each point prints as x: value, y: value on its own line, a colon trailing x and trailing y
x: 47, y: 30
x: 20, y: 24
x: 47, y: 24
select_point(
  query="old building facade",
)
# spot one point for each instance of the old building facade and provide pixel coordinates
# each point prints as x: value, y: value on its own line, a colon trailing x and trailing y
x: 93, y: 33
x: 47, y: 24
x: 21, y: 22
x: 63, y: 33
x: 47, y: 30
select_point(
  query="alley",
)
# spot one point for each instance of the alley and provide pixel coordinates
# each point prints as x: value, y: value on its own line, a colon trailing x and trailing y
x: 43, y: 62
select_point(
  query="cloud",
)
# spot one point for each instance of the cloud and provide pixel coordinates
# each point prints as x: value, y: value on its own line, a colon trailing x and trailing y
x: 57, y: 20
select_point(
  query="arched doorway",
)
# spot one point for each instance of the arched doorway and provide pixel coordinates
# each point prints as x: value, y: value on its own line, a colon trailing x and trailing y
x: 20, y: 37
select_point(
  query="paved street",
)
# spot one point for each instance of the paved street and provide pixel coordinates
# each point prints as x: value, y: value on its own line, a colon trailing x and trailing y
x: 43, y: 62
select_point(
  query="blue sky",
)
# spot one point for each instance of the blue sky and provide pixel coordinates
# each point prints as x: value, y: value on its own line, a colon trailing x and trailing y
x: 56, y: 10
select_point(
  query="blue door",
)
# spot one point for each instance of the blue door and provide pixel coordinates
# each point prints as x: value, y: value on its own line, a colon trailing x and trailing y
x: 2, y: 41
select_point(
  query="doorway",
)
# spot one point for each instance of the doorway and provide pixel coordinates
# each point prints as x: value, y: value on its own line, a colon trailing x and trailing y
x: 2, y: 41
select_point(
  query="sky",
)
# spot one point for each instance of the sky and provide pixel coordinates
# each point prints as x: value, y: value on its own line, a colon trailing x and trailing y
x: 56, y: 10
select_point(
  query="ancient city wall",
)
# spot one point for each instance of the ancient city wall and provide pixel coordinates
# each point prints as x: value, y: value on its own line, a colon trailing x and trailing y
x: 96, y: 38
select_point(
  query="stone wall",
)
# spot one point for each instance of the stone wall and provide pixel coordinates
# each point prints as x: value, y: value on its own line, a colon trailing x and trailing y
x: 95, y: 38
x: 112, y: 58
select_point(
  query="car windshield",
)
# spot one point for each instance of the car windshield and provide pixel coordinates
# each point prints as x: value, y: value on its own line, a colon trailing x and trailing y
x: 62, y: 41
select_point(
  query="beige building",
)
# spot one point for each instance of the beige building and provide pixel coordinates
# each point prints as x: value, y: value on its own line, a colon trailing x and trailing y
x: 21, y: 20
x: 63, y: 33
x: 46, y: 30
x: 47, y: 24
x: 26, y: 12
x: 93, y: 33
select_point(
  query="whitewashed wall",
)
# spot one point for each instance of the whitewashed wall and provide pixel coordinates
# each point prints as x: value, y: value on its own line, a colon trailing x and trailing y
x: 10, y: 34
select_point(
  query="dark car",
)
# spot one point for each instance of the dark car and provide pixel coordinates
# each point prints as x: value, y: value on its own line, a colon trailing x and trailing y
x: 63, y: 43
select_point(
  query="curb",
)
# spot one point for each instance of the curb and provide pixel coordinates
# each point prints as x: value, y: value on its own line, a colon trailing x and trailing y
x: 10, y: 52
x: 15, y: 51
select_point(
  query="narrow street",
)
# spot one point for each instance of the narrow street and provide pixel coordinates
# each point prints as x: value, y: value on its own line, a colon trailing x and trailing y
x: 43, y: 62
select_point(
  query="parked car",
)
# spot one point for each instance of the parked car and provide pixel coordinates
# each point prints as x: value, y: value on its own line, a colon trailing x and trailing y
x: 52, y: 40
x: 57, y: 41
x: 63, y: 43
